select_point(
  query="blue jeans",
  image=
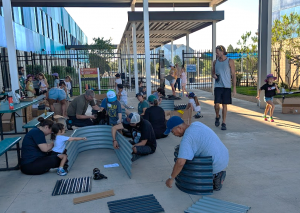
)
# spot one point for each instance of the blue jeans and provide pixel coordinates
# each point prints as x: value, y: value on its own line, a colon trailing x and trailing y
x: 81, y: 122
x: 143, y: 150
x: 268, y: 99
x: 177, y: 84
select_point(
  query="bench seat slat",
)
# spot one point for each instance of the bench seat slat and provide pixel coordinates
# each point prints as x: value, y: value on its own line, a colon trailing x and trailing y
x: 7, y: 143
x: 33, y: 123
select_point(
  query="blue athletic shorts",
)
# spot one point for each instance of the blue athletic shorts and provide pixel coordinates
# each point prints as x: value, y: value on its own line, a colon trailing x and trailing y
x: 57, y: 94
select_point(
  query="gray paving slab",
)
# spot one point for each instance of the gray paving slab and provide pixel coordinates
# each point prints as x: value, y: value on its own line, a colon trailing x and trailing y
x: 263, y: 169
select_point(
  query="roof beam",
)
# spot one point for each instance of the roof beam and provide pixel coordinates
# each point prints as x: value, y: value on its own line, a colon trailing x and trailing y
x: 160, y: 31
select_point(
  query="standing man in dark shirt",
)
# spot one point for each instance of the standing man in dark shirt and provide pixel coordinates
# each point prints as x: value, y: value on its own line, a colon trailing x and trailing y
x: 156, y: 116
x: 77, y: 109
x: 147, y: 141
x: 223, y: 71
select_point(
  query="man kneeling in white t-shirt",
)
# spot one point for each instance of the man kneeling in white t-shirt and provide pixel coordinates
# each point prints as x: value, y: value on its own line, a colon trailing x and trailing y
x: 198, y: 140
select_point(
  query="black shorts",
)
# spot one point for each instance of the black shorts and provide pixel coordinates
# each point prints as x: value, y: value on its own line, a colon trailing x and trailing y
x: 41, y: 165
x: 223, y: 95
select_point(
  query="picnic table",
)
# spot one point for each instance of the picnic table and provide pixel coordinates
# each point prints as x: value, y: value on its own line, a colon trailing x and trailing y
x: 7, y: 144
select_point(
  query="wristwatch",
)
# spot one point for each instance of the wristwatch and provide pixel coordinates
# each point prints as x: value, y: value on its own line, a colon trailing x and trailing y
x: 171, y: 178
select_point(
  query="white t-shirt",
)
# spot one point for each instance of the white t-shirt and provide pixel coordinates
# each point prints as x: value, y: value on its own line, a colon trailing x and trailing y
x: 118, y: 81
x: 60, y: 143
x: 69, y: 87
x: 123, y: 98
x: 195, y: 108
x: 200, y: 141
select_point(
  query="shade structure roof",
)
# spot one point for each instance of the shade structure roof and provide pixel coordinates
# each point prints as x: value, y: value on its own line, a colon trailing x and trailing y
x: 114, y: 3
x: 167, y: 26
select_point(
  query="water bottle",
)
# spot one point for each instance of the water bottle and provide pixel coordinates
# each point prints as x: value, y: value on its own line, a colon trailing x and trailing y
x: 10, y: 102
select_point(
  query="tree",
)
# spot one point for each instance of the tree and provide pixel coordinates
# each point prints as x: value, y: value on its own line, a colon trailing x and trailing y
x: 177, y: 60
x: 230, y: 48
x: 247, y: 51
x: 285, y: 38
x: 102, y: 44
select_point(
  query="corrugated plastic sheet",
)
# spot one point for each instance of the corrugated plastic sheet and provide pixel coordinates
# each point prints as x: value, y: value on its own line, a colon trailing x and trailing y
x: 212, y: 205
x: 196, y: 177
x: 142, y: 204
x: 99, y: 137
x: 167, y: 105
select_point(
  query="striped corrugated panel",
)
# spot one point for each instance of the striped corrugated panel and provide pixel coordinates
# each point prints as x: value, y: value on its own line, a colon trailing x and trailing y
x: 212, y: 205
x: 167, y: 105
x: 142, y: 204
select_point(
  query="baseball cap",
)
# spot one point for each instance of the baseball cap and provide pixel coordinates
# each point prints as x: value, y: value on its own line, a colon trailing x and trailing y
x: 55, y: 74
x: 151, y: 98
x: 141, y: 94
x: 191, y: 95
x: 173, y: 122
x: 111, y: 96
x: 132, y: 118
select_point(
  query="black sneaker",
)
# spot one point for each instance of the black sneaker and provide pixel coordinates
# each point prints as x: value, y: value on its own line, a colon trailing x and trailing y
x: 217, y: 122
x: 223, y: 126
x: 198, y: 116
x: 218, y: 180
x: 135, y: 157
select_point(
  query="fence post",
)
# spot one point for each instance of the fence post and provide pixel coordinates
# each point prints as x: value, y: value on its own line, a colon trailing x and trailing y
x: 99, y: 85
x: 80, y: 88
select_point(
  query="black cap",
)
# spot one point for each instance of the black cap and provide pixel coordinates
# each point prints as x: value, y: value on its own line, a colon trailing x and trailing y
x: 139, y: 94
x: 120, y: 86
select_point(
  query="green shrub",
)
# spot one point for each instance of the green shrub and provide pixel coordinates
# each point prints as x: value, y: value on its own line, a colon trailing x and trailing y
x: 34, y: 69
x: 239, y: 77
x: 284, y: 85
x: 70, y: 70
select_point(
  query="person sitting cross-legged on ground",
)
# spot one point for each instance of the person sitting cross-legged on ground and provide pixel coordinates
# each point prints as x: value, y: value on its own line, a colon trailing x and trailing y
x: 156, y: 116
x: 143, y: 104
x: 112, y: 107
x: 57, y: 135
x: 159, y: 94
x: 77, y: 109
x: 146, y: 143
x: 198, y: 140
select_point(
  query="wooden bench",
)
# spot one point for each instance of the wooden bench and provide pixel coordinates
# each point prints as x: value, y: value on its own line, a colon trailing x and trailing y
x: 7, y: 145
x: 34, y: 123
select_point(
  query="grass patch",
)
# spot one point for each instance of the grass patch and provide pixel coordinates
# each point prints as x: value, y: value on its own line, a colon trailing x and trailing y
x: 252, y: 91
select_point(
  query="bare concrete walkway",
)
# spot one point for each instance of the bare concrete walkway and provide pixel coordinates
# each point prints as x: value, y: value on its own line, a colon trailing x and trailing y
x: 263, y: 171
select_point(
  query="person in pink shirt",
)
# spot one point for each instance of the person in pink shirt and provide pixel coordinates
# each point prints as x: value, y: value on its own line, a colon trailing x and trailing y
x: 183, y: 81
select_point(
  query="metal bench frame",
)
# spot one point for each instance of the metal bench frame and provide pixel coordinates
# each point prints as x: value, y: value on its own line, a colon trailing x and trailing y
x: 15, y: 142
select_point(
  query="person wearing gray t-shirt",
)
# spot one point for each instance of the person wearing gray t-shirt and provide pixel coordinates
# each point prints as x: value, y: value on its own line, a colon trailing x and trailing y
x: 198, y: 140
x: 223, y: 71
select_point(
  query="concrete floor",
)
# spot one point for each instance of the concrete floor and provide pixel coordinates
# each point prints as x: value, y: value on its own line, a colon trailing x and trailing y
x: 263, y: 171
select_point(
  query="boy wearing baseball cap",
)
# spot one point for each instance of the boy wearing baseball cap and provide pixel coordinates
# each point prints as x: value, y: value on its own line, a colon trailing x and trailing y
x: 112, y: 107
x: 147, y: 142
x: 198, y: 140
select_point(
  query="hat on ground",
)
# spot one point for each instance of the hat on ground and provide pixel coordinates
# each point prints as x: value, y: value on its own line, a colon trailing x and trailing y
x: 151, y: 98
x: 132, y: 118
x: 111, y: 96
x: 191, y: 95
x: 117, y: 75
x: 173, y: 122
x: 55, y: 74
x: 120, y: 86
x: 139, y: 94
x: 270, y: 76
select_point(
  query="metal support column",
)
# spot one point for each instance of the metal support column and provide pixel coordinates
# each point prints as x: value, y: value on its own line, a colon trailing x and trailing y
x: 147, y: 46
x: 264, y: 44
x: 172, y: 53
x: 136, y: 76
x: 214, y: 45
x: 129, y: 60
x: 11, y: 46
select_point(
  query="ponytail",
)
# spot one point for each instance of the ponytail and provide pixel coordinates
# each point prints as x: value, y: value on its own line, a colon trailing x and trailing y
x: 155, y: 103
x: 55, y: 129
x: 196, y: 101
x: 44, y: 122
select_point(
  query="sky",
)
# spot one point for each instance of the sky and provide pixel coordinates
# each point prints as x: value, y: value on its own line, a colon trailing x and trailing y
x: 240, y: 16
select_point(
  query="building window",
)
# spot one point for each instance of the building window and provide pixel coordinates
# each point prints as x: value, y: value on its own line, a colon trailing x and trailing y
x: 46, y: 25
x: 1, y: 11
x: 42, y: 22
x: 51, y: 25
x: 58, y: 29
x: 36, y: 20
x: 62, y: 35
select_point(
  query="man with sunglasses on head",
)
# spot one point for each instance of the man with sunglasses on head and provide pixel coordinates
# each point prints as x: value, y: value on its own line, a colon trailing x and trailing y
x: 223, y: 71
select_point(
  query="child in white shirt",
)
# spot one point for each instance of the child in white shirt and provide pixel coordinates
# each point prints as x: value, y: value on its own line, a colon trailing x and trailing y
x: 118, y: 81
x: 60, y: 140
x: 122, y: 97
x: 194, y: 103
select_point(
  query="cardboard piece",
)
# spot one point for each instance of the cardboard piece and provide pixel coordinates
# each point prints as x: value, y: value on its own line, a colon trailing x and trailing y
x: 93, y: 197
x: 36, y: 112
x: 99, y: 98
x: 291, y: 106
x: 7, y: 126
x: 185, y: 114
x: 57, y: 108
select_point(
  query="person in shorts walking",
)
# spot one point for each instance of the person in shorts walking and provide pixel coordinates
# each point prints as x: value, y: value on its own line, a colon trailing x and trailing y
x: 223, y: 70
